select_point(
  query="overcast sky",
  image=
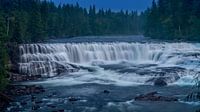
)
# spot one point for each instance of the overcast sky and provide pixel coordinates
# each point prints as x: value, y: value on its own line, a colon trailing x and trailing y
x: 116, y: 5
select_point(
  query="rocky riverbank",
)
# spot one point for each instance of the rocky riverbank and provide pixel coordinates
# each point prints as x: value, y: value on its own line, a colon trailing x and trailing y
x: 101, y: 98
x: 13, y: 91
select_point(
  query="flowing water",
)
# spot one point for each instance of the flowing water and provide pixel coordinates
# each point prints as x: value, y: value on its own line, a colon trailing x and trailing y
x: 126, y: 68
x: 112, y: 63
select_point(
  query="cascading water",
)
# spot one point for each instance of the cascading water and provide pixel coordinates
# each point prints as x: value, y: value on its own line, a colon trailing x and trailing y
x: 43, y: 59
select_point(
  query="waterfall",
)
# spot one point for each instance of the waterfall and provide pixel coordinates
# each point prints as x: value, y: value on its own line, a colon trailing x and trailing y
x: 43, y: 58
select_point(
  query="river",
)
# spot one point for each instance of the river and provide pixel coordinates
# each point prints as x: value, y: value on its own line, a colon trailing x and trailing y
x: 126, y: 66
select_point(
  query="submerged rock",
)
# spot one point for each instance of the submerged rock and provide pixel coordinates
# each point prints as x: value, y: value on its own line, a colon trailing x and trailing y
x: 73, y: 99
x: 38, y: 102
x: 106, y: 91
x: 152, y: 96
x: 51, y: 106
x: 61, y: 110
x: 160, y: 82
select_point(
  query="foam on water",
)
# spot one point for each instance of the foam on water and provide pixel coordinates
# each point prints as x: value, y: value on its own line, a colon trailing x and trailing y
x: 43, y: 59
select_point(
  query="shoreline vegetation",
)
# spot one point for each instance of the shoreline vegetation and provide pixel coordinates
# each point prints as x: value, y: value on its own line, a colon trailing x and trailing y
x: 30, y: 21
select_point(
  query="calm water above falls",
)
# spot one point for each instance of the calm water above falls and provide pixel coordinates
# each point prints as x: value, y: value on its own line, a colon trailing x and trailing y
x: 125, y: 68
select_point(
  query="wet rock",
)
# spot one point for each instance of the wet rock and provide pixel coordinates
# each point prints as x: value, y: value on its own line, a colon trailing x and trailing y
x: 37, y: 89
x: 4, y: 100
x: 153, y: 96
x: 171, y: 69
x: 3, y: 104
x: 164, y: 79
x: 60, y: 70
x: 197, y: 110
x: 106, y: 91
x: 146, y: 65
x: 194, y: 96
x: 51, y: 106
x: 160, y: 82
x: 192, y: 54
x: 13, y: 52
x: 61, y: 110
x: 38, y: 102
x: 165, y: 75
x: 49, y: 96
x: 35, y: 107
x: 14, y: 77
x: 73, y: 99
x: 14, y: 68
x: 23, y: 103
x: 54, y: 93
x: 66, y: 67
x: 17, y: 90
x: 128, y: 70
x: 5, y: 97
x: 33, y: 98
x: 143, y: 72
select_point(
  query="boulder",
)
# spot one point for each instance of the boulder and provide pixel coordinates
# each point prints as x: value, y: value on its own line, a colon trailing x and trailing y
x: 153, y: 96
x: 164, y: 75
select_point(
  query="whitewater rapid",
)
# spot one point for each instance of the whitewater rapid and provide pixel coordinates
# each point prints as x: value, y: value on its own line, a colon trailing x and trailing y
x: 122, y: 56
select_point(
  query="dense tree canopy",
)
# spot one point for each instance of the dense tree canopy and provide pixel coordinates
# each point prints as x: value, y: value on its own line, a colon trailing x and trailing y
x: 26, y: 21
x: 36, y: 20
x: 3, y: 56
x: 174, y: 19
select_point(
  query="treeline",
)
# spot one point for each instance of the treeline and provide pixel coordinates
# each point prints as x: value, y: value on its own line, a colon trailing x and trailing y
x: 174, y: 19
x: 27, y: 21
x: 36, y: 20
x: 3, y: 53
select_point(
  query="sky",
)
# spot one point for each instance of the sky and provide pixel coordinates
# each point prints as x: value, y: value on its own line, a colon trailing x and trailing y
x: 116, y: 5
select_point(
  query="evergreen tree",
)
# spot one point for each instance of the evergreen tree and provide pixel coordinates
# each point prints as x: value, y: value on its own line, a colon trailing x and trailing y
x: 3, y: 56
x: 174, y: 19
x: 2, y: 28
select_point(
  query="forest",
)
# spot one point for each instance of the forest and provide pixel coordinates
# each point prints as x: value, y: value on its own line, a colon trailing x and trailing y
x: 173, y: 20
x: 27, y: 21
